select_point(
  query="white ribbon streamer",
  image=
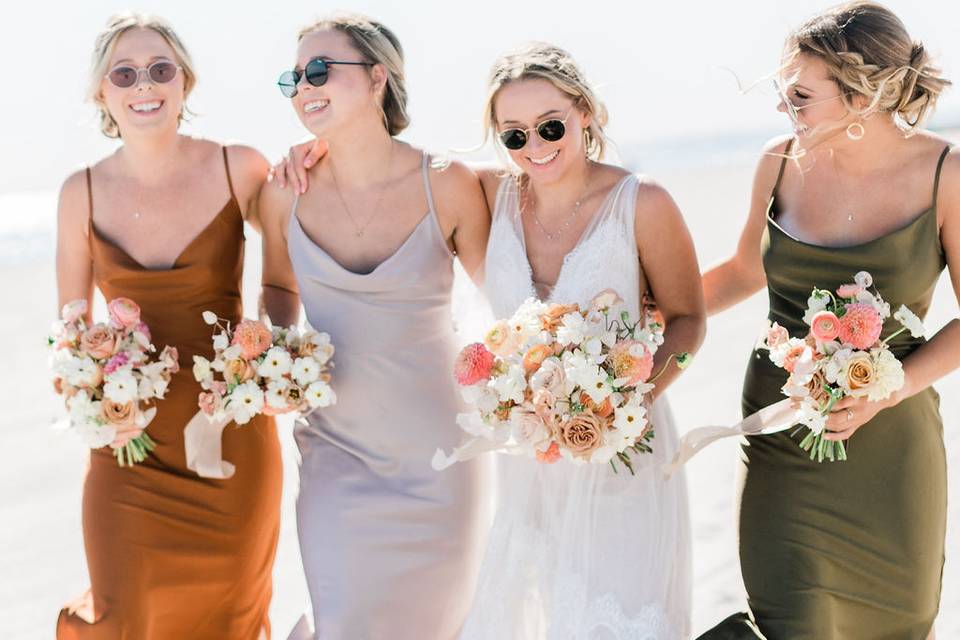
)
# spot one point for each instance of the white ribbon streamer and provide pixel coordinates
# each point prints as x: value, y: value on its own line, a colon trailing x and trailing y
x: 202, y: 440
x: 772, y: 419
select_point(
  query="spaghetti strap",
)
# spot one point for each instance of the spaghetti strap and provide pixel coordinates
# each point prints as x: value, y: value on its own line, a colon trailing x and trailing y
x: 89, y: 201
x: 936, y: 177
x: 226, y: 166
x: 425, y: 169
x: 783, y: 165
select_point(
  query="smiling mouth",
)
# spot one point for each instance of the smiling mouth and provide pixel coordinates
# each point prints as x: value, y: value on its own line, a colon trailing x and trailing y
x: 544, y: 160
x: 315, y: 105
x: 147, y: 107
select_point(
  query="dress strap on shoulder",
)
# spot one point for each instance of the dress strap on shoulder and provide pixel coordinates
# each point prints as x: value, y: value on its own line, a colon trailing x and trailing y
x: 936, y: 177
x: 425, y: 170
x: 89, y: 175
x: 783, y: 165
x: 226, y: 166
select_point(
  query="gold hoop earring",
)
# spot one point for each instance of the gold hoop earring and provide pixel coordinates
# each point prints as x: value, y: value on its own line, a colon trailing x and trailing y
x: 855, y: 131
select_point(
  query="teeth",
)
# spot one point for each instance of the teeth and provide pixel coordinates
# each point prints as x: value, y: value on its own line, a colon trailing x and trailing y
x: 546, y: 159
x: 315, y: 105
x: 146, y: 106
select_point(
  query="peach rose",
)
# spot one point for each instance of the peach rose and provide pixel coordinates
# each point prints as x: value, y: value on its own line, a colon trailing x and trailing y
x: 122, y: 416
x: 124, y: 313
x: 253, y: 337
x: 98, y: 342
x: 582, y: 434
x: 859, y: 372
x: 817, y: 388
x: 551, y: 318
x: 860, y: 326
x: 535, y: 356
x: 238, y: 370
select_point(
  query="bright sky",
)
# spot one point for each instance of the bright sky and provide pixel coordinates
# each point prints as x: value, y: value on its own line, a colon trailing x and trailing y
x: 658, y: 65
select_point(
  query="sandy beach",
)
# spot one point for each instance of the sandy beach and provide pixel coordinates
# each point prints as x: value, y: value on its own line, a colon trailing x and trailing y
x: 41, y: 548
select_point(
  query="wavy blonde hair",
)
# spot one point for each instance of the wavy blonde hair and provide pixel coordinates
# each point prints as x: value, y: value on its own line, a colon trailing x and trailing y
x: 106, y: 43
x: 869, y: 53
x: 379, y: 45
x: 544, y: 61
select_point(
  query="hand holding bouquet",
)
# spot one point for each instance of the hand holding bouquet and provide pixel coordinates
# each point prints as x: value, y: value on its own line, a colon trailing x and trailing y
x: 842, y: 355
x: 109, y: 378
x: 557, y: 381
x: 258, y: 370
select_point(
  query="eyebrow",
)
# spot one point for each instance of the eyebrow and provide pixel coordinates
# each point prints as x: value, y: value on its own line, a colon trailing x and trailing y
x: 539, y: 117
x: 129, y: 61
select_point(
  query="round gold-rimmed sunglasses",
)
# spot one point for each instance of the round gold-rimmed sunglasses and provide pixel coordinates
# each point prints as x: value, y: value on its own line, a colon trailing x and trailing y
x: 124, y: 76
x: 549, y: 130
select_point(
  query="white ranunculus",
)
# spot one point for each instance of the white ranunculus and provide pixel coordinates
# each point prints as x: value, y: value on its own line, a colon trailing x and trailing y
x: 630, y: 420
x: 910, y: 320
x: 245, y: 401
x: 121, y: 386
x: 320, y: 394
x: 305, y: 370
x: 276, y: 363
x: 572, y: 329
x: 220, y: 342
x: 510, y: 385
x: 274, y: 394
x: 863, y: 279
x: 816, y: 303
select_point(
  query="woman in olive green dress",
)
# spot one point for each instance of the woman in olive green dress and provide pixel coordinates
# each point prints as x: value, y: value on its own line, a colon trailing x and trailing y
x: 848, y: 549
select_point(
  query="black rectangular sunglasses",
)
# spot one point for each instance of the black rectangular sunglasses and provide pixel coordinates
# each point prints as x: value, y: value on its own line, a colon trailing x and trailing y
x: 316, y: 71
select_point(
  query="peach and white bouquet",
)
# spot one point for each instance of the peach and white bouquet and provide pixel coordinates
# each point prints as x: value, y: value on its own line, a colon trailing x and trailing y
x: 109, y: 377
x: 841, y: 355
x: 557, y: 381
x: 257, y: 369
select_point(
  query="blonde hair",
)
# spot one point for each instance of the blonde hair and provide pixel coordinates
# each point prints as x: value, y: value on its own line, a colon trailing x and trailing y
x: 543, y: 61
x: 869, y: 53
x: 106, y: 43
x: 379, y: 45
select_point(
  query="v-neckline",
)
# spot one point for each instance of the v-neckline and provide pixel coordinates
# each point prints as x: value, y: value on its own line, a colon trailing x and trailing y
x: 96, y: 233
x: 584, y: 236
x: 379, y: 265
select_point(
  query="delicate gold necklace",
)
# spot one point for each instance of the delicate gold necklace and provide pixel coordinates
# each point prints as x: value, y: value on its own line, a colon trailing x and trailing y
x: 360, y: 229
x: 566, y: 225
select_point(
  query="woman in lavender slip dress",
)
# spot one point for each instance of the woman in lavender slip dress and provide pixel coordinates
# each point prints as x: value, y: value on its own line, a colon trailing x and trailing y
x: 390, y: 548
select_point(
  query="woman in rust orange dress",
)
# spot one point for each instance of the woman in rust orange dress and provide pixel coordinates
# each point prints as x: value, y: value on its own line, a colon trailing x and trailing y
x: 160, y: 221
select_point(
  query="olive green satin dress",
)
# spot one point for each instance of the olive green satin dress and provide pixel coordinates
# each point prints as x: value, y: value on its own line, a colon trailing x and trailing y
x: 848, y: 549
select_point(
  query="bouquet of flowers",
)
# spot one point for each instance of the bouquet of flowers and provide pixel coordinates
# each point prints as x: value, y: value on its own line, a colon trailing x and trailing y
x: 842, y: 355
x: 557, y: 381
x: 261, y: 370
x: 109, y: 378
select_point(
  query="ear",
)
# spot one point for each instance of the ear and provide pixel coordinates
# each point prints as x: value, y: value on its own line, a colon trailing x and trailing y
x: 586, y: 119
x: 378, y: 79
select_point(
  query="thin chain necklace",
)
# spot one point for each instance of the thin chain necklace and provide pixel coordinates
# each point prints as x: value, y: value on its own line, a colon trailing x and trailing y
x: 836, y: 174
x: 360, y: 229
x: 566, y: 225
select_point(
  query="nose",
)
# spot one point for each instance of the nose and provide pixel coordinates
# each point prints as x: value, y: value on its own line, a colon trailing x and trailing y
x: 781, y: 107
x: 143, y: 79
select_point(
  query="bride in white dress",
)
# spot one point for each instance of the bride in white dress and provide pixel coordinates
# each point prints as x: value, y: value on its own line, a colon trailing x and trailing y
x: 579, y: 552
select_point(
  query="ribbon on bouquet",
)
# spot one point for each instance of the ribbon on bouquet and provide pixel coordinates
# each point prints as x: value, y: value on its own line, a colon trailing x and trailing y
x: 467, y: 451
x: 772, y: 419
x: 202, y: 440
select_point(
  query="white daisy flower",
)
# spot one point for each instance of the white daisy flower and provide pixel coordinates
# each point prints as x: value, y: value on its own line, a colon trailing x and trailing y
x: 276, y: 363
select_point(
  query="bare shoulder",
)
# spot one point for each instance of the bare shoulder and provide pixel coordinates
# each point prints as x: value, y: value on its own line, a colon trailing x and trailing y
x: 948, y: 195
x: 74, y: 197
x: 453, y: 181
x: 246, y: 162
x: 771, y: 159
x: 275, y: 203
x: 653, y: 199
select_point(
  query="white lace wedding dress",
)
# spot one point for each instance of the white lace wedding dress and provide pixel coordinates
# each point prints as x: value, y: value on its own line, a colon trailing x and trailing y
x: 579, y: 552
